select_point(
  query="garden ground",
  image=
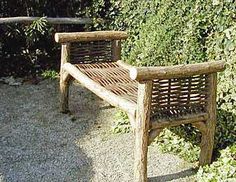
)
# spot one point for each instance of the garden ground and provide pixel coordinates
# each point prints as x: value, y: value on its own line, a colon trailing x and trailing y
x: 38, y: 143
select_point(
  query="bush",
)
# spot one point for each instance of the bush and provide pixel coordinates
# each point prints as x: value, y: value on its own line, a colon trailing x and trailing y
x: 30, y: 49
x: 168, y: 38
x: 224, y: 169
x: 122, y: 124
x: 50, y: 74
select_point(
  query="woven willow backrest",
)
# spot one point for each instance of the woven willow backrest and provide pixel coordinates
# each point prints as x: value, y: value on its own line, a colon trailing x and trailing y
x: 91, y: 52
x: 178, y: 97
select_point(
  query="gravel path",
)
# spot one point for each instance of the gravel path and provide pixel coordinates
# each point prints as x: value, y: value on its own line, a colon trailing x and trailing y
x: 37, y: 143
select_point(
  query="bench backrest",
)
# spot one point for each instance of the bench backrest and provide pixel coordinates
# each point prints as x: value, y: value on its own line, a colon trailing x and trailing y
x: 91, y: 52
x: 93, y: 47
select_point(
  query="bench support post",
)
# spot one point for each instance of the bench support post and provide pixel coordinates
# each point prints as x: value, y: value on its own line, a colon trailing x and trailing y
x: 141, y: 131
x: 207, y: 141
x: 64, y: 78
x: 116, y: 50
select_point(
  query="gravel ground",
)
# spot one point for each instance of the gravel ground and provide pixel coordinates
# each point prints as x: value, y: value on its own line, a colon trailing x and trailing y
x: 37, y: 143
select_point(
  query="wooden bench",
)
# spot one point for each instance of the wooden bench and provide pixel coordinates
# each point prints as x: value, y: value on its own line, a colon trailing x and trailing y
x: 153, y: 97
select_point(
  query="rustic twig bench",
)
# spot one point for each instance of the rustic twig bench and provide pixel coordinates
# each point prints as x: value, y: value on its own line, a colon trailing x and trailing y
x: 153, y: 97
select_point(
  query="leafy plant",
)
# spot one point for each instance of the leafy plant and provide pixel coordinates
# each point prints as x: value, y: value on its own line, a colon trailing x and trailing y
x: 51, y: 74
x: 224, y: 169
x: 122, y: 124
x: 29, y: 49
x: 36, y: 29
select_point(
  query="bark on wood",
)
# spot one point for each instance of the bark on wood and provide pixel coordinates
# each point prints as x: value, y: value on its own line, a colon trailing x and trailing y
x: 124, y: 65
x: 153, y: 134
x: 201, y: 126
x: 64, y: 79
x: 175, y: 122
x: 141, y: 131
x: 116, y: 50
x: 90, y: 36
x: 132, y: 120
x: 167, y: 72
x: 102, y: 92
x: 25, y: 19
x: 207, y: 140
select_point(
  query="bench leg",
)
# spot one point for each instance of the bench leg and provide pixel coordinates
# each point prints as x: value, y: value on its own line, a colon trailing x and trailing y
x: 64, y: 92
x: 207, y: 144
x: 140, y: 155
x: 207, y: 141
x: 141, y: 131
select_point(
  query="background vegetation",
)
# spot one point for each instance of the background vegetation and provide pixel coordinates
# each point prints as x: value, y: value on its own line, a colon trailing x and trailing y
x: 162, y: 32
x: 28, y: 49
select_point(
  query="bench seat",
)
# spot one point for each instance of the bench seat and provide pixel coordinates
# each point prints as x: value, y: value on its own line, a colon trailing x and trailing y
x: 112, y: 77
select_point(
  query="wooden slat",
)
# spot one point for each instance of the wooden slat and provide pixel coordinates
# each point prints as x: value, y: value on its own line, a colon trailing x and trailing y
x: 112, y: 77
x: 102, y: 92
x: 177, y: 121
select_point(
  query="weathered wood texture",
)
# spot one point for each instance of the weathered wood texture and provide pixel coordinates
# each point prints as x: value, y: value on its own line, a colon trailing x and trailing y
x: 141, y: 131
x: 112, y: 77
x: 64, y: 78
x: 201, y: 126
x: 63, y: 20
x: 102, y: 92
x: 91, y: 52
x: 153, y: 134
x: 124, y: 65
x: 116, y: 50
x: 162, y: 123
x: 207, y: 141
x: 178, y: 98
x: 166, y: 72
x: 90, y: 36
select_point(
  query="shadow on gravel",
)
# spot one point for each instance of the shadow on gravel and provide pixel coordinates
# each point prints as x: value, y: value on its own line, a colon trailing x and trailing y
x: 37, y: 143
x: 174, y: 176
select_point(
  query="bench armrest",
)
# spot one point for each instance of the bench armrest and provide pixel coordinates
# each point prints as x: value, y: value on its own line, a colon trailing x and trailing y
x: 167, y: 72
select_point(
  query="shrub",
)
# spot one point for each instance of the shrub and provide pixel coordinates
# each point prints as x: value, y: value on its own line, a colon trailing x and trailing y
x: 224, y: 169
x: 50, y: 74
x: 30, y: 49
x: 122, y: 124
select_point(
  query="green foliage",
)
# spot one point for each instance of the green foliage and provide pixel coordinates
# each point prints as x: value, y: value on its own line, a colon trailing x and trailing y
x: 50, y: 74
x: 36, y: 29
x: 29, y: 49
x: 224, y: 169
x: 168, y: 38
x: 169, y: 142
x: 131, y: 14
x: 122, y: 124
